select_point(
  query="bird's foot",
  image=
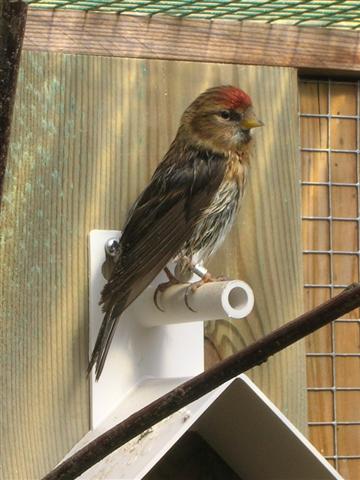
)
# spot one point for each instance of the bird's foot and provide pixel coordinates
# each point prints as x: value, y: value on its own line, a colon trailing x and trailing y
x: 206, y: 278
x: 164, y: 286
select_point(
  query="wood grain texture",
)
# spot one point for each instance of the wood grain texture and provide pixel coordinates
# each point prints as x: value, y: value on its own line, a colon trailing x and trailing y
x: 88, y: 132
x: 349, y: 468
x: 323, y: 438
x: 165, y: 37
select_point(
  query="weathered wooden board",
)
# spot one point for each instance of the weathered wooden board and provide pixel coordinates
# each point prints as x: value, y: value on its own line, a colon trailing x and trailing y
x: 178, y: 38
x: 87, y: 134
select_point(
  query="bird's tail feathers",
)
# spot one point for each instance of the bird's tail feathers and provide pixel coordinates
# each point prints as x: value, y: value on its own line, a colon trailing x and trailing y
x: 104, y: 338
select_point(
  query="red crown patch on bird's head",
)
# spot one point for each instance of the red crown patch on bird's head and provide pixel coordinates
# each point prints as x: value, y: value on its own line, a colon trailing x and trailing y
x: 232, y: 97
x: 223, y: 96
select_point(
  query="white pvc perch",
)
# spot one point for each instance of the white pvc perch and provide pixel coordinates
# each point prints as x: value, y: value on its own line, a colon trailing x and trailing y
x: 211, y: 301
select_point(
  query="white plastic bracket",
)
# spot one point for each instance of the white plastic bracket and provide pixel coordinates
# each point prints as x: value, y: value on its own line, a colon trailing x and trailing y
x: 136, y: 352
x: 148, y: 342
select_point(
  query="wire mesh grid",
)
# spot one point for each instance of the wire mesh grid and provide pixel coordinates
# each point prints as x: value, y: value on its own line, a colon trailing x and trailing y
x: 334, y: 357
x: 327, y: 13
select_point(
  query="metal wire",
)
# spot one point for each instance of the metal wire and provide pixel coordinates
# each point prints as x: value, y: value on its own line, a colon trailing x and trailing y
x: 331, y: 252
x: 326, y: 13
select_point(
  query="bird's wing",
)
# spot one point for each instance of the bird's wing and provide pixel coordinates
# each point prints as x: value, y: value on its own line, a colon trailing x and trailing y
x: 162, y: 220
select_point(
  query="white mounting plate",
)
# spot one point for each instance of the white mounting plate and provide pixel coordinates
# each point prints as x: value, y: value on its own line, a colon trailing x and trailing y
x: 136, y: 352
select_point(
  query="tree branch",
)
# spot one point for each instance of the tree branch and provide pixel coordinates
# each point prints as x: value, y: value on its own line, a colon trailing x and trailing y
x: 249, y: 357
x: 12, y: 27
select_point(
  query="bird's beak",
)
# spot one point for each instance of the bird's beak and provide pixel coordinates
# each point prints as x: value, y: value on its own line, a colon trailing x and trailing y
x: 250, y: 122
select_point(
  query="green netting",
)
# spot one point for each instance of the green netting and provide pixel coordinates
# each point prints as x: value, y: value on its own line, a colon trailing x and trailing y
x: 325, y: 13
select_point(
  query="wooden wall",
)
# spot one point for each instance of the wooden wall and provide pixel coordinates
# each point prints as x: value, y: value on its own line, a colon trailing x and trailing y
x: 330, y: 126
x: 87, y: 133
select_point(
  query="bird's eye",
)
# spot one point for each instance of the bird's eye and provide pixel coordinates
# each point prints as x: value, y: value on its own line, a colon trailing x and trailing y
x: 225, y: 115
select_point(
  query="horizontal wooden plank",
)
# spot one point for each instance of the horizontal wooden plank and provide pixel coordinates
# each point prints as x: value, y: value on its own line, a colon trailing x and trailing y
x: 165, y: 37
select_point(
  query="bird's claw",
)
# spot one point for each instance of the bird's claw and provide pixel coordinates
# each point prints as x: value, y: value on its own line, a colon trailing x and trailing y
x: 193, y: 287
x: 156, y: 293
x: 163, y: 286
x: 189, y: 289
x: 222, y: 278
x: 207, y: 278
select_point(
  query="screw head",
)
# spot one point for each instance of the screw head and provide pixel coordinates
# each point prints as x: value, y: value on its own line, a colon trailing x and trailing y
x: 112, y: 247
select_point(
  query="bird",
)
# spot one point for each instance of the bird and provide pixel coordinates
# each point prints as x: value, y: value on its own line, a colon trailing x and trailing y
x: 188, y: 207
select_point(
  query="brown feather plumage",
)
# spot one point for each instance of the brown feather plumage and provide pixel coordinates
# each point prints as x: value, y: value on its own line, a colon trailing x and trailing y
x: 188, y: 206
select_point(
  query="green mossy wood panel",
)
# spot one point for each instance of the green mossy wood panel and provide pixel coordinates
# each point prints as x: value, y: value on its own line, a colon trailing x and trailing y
x: 87, y: 133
